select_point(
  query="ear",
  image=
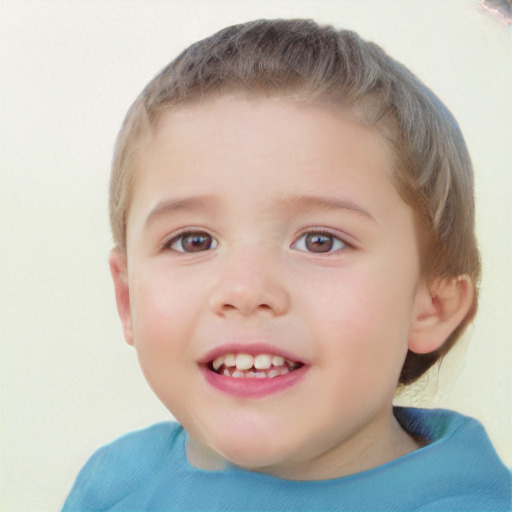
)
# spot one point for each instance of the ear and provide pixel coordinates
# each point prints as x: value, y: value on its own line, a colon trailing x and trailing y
x: 440, y: 308
x: 119, y: 271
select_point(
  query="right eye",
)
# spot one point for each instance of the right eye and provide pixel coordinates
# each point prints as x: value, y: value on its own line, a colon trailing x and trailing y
x: 192, y: 241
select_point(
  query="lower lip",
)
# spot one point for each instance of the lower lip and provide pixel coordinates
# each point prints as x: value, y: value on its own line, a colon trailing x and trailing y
x: 251, y: 387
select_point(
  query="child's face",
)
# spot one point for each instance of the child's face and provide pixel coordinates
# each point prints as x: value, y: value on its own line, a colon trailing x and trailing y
x: 270, y: 227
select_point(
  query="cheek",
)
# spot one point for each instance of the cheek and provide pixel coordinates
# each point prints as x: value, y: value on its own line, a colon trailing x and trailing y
x: 163, y: 323
x: 161, y: 308
x: 366, y: 319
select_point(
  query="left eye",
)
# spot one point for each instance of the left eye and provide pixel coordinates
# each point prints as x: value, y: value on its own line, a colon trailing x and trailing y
x: 318, y: 242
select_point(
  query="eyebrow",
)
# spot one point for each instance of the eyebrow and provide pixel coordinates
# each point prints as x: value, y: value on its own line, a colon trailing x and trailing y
x: 290, y: 204
x: 169, y: 206
x: 300, y: 203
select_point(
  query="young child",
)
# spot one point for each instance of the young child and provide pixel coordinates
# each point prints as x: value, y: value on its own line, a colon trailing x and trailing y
x: 294, y: 238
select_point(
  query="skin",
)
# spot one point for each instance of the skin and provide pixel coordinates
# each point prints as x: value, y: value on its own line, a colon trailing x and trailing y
x: 238, y: 170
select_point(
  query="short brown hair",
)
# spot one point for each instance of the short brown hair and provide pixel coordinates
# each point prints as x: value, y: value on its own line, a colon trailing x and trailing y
x: 432, y: 169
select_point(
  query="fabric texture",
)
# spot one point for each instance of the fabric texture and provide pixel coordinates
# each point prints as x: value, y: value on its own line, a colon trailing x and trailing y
x: 147, y: 470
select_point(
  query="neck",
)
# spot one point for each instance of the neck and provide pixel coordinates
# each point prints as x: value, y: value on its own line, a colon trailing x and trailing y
x: 354, y: 455
x: 376, y: 444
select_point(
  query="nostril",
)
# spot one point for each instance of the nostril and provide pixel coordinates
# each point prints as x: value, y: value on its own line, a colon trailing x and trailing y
x: 245, y: 307
x: 248, y: 298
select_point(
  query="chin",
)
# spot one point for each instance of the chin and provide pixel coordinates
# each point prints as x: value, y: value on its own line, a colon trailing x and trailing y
x: 253, y: 454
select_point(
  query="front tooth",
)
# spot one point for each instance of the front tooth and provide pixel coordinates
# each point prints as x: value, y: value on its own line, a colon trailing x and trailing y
x: 278, y: 361
x: 244, y: 361
x: 262, y: 362
x: 229, y: 360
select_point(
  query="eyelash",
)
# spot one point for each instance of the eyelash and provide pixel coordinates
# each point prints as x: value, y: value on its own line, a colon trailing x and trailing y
x: 336, y: 242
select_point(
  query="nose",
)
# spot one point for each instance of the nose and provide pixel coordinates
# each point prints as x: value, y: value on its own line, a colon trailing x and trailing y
x: 250, y: 284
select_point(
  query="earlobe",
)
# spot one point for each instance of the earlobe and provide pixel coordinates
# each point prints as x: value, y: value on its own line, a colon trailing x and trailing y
x: 119, y: 271
x: 440, y: 308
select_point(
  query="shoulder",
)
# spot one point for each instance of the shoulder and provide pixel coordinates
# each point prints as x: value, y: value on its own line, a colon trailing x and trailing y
x: 459, y: 468
x: 137, y: 451
x: 435, y: 424
x: 150, y: 438
x: 447, y: 429
x: 119, y: 469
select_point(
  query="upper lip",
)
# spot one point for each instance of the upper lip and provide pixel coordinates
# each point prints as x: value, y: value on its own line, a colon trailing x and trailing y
x: 248, y: 348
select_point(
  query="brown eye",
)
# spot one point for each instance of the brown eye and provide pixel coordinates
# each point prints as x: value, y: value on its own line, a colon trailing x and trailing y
x: 193, y: 242
x: 318, y: 242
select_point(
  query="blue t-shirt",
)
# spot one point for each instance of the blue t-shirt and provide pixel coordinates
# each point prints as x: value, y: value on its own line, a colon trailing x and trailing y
x: 148, y: 470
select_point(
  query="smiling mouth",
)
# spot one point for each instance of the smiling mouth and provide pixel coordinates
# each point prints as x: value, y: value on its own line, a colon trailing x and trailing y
x: 247, y: 366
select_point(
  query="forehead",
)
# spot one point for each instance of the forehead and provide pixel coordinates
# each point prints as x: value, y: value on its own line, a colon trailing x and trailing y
x: 235, y: 146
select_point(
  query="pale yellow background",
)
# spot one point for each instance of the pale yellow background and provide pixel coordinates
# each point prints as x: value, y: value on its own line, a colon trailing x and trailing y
x: 69, y: 70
